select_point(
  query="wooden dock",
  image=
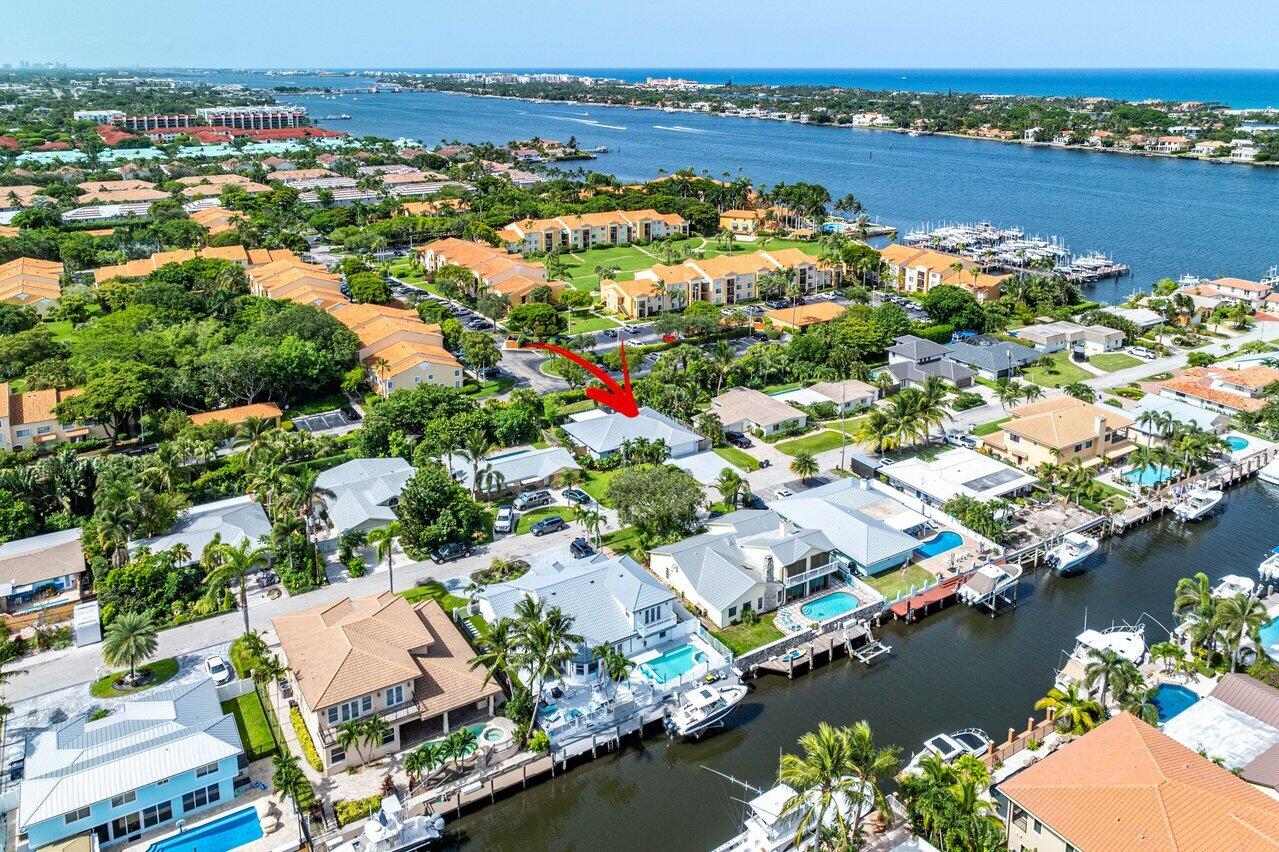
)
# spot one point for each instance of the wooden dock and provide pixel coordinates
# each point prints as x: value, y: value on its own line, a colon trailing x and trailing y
x: 855, y: 639
x: 928, y: 601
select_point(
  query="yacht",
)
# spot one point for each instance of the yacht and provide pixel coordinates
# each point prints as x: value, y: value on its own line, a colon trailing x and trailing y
x: 1270, y: 473
x: 1268, y: 570
x: 988, y: 583
x: 951, y: 747
x: 1128, y: 641
x: 703, y: 708
x: 769, y: 828
x: 389, y: 830
x: 1068, y: 556
x: 1198, y: 504
x: 1233, y: 585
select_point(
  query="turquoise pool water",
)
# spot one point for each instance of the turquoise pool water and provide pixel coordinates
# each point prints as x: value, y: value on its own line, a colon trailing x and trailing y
x: 940, y: 543
x: 830, y: 606
x: 1236, y: 443
x: 1148, y: 475
x: 225, y: 833
x: 1171, y: 699
x: 1269, y: 634
x: 673, y: 664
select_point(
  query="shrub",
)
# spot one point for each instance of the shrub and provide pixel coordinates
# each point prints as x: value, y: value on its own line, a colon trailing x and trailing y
x: 539, y: 743
x: 964, y: 400
x: 309, y: 754
x: 355, y: 566
x: 348, y: 811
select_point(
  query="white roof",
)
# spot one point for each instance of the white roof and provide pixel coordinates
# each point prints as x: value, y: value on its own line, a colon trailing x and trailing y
x: 840, y: 510
x: 143, y: 741
x: 517, y: 466
x: 705, y: 466
x: 235, y: 520
x: 1221, y: 731
x: 802, y: 396
x: 607, y: 433
x: 1182, y: 412
x: 1142, y: 317
x: 959, y: 471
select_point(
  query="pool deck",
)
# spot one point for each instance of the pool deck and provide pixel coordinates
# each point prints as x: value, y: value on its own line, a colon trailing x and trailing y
x: 791, y: 619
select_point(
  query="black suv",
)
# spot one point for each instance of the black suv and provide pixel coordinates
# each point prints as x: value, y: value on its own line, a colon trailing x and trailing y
x: 449, y: 552
x: 581, y: 548
x: 737, y: 439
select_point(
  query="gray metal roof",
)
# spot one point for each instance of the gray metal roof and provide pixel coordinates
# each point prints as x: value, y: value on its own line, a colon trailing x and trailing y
x: 363, y: 491
x: 517, y: 466
x: 143, y: 741
x: 951, y: 371
x: 607, y: 434
x: 233, y: 520
x: 835, y: 510
x: 995, y: 357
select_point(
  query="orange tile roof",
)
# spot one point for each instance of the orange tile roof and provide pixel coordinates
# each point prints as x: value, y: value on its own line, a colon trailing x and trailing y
x: 32, y: 406
x: 24, y: 193
x: 371, y: 333
x: 320, y: 298
x: 723, y: 265
x: 262, y: 256
x: 1062, y: 422
x: 1241, y: 284
x: 124, y: 196
x: 26, y: 280
x: 354, y: 316
x: 240, y: 413
x: 806, y: 315
x: 1125, y: 786
x: 8, y: 231
x: 406, y: 355
x: 235, y: 254
x: 299, y: 174
x: 743, y: 214
x: 1198, y: 382
x: 147, y: 265
x: 204, y: 190
x: 789, y: 258
x: 519, y: 286
x: 216, y: 220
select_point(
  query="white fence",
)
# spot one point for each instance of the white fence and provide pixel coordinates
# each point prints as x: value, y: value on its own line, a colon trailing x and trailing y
x: 234, y: 689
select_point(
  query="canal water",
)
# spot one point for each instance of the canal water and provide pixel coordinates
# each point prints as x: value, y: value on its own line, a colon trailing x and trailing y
x: 954, y: 670
x: 1162, y: 217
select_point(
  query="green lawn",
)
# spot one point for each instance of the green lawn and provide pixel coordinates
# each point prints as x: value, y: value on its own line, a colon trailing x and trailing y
x: 251, y: 722
x: 527, y: 519
x: 162, y: 669
x: 622, y: 541
x: 575, y: 407
x: 1063, y: 372
x: 818, y: 442
x: 891, y: 583
x: 436, y: 592
x: 596, y: 484
x: 490, y: 387
x: 737, y: 458
x: 848, y: 425
x: 991, y: 427
x: 740, y: 638
x: 1112, y: 361
x: 789, y: 386
x: 589, y: 323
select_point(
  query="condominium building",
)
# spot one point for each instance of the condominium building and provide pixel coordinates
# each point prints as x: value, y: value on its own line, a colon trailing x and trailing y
x: 27, y: 419
x: 917, y: 270
x: 31, y: 282
x: 575, y: 232
x: 304, y: 283
x: 248, y: 258
x: 493, y: 269
x: 265, y: 117
x: 398, y: 349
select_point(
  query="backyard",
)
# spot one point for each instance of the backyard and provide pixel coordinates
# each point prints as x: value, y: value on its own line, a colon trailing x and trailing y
x: 596, y: 484
x: 1059, y: 371
x: 740, y: 638
x: 892, y: 583
x: 251, y: 722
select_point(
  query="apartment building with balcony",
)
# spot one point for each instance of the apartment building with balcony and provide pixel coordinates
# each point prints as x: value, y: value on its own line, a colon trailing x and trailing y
x: 582, y: 231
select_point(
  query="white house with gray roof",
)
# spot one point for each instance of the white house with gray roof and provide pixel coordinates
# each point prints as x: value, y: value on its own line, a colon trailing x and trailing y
x: 157, y: 758
x: 229, y: 521
x: 602, y: 434
x: 911, y: 360
x: 743, y: 562
x: 365, y: 492
x: 519, y: 468
x: 870, y: 530
x: 994, y: 359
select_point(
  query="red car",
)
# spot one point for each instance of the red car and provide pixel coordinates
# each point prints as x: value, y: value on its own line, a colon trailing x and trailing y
x: 670, y: 338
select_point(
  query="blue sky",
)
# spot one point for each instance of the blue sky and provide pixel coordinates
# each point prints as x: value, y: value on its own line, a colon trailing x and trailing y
x: 656, y: 33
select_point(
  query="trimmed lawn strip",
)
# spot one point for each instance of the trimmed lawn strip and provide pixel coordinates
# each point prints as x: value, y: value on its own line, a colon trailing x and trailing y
x: 250, y: 720
x: 1066, y: 372
x: 892, y: 583
x: 740, y: 638
x: 447, y: 601
x: 527, y: 519
x: 621, y: 541
x: 1114, y: 361
x: 738, y: 458
x: 164, y: 670
x: 818, y: 442
x: 990, y: 428
x: 591, y: 323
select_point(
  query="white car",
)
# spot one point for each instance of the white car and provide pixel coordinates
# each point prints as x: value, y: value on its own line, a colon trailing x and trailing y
x: 783, y: 493
x: 505, y: 521
x: 1143, y: 352
x: 218, y: 670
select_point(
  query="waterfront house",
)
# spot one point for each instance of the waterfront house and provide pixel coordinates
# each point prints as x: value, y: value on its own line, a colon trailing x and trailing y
x: 1057, y: 336
x: 28, y: 419
x: 1061, y: 430
x: 911, y: 360
x: 365, y: 492
x: 918, y: 270
x: 1222, y: 389
x: 748, y: 410
x: 1144, y: 318
x: 742, y: 221
x: 602, y: 434
x: 380, y: 656
x: 41, y: 571
x: 228, y: 521
x: 1236, y: 724
x: 1179, y: 412
x: 868, y: 528
x: 517, y: 468
x: 993, y: 359
x: 1251, y: 293
x: 745, y: 561
x: 1171, y: 144
x: 159, y: 757
x: 1125, y: 786
x: 957, y: 472
x: 31, y: 282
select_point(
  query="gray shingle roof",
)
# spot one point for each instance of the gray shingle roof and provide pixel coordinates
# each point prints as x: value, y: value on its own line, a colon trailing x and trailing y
x: 607, y: 434
x: 951, y: 371
x: 233, y: 520
x: 516, y: 466
x: 363, y: 490
x: 996, y: 357
x: 916, y: 348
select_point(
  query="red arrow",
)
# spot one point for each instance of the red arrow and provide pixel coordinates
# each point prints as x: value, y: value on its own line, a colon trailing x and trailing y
x: 620, y: 398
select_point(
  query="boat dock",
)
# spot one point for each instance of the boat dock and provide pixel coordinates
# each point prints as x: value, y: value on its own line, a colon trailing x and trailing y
x: 928, y: 601
x: 791, y: 658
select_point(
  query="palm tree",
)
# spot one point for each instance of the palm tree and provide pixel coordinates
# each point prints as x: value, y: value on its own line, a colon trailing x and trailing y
x: 592, y: 521
x: 1104, y: 667
x: 419, y: 763
x: 1194, y: 594
x: 1170, y: 654
x: 730, y: 484
x: 804, y: 466
x: 475, y: 447
x: 1140, y: 702
x: 252, y: 434
x: 1237, y: 618
x: 349, y: 735
x: 383, y: 538
x: 306, y: 496
x: 374, y: 732
x: 234, y: 565
x: 1031, y: 392
x: 870, y: 765
x: 546, y: 643
x: 131, y: 639
x: 496, y: 650
x: 823, y: 784
x: 1074, y: 712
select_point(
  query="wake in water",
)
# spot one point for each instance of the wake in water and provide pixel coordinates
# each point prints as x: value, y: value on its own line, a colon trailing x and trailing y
x: 590, y: 122
x: 679, y: 128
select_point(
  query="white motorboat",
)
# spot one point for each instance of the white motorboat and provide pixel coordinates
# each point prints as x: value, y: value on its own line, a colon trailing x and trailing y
x: 704, y: 708
x: 769, y: 828
x: 1198, y: 504
x: 1068, y: 556
x: 1268, y: 570
x: 389, y: 831
x: 1128, y: 641
x: 1270, y: 473
x: 988, y: 583
x: 1233, y: 585
x: 951, y: 747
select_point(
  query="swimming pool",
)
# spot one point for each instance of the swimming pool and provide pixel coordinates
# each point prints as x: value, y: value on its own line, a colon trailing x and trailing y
x: 673, y: 664
x: 830, y: 606
x: 940, y: 543
x: 1269, y: 634
x: 223, y: 834
x: 1236, y: 443
x: 1171, y: 699
x: 1149, y: 475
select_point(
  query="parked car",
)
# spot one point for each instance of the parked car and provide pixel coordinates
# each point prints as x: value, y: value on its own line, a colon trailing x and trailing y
x: 783, y: 493
x: 553, y: 523
x: 737, y: 439
x: 490, y: 372
x: 532, y: 499
x: 581, y: 548
x: 451, y: 551
x: 577, y: 495
x: 777, y: 304
x: 505, y: 520
x: 631, y: 329
x: 755, y: 309
x: 218, y: 670
x: 610, y: 333
x: 1143, y: 353
x: 961, y: 439
x: 478, y: 324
